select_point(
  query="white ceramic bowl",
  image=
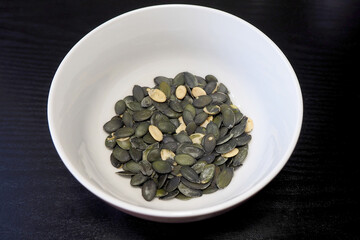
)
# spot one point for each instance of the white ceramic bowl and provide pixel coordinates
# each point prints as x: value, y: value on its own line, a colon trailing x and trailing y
x: 163, y: 40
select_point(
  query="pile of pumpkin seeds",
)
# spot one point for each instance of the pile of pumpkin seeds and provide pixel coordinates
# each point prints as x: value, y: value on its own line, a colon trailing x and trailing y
x: 180, y: 139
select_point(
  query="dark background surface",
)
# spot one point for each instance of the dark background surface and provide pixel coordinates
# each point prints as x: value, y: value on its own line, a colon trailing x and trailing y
x: 314, y: 195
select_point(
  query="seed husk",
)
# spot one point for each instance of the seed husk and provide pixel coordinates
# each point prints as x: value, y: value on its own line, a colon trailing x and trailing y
x: 225, y: 177
x: 180, y: 92
x: 148, y: 190
x: 124, y: 132
x: 120, y: 107
x: 155, y: 133
x: 156, y: 95
x: 161, y: 166
x: 188, y: 191
x: 190, y: 174
x: 184, y: 159
x: 113, y: 125
x: 202, y: 101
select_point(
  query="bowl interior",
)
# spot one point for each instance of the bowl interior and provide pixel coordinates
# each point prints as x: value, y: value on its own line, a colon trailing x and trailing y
x: 138, y: 46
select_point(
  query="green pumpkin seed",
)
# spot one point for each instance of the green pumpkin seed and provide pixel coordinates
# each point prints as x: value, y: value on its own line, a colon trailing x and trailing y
x: 110, y: 142
x: 179, y: 79
x: 211, y: 109
x: 138, y: 93
x: 134, y: 106
x: 148, y: 190
x: 240, y: 157
x: 201, y: 130
x: 238, y: 115
x: 191, y: 127
x: 220, y: 160
x: 239, y: 128
x: 135, y: 154
x: 182, y: 197
x: 199, y: 166
x: 200, y: 118
x: 161, y: 180
x: 222, y: 132
x: 149, y: 139
x: 160, y: 193
x: 218, y: 98
x: 148, y: 149
x: 138, y: 143
x: 166, y: 127
x: 124, y: 143
x: 128, y: 119
x: 120, y: 107
x: 243, y: 139
x: 161, y: 166
x: 187, y: 117
x: 132, y: 166
x: 184, y: 159
x: 165, y: 88
x: 222, y: 88
x: 194, y: 150
x: 190, y: 174
x: 158, y: 117
x: 154, y: 155
x: 210, y: 78
x: 212, y: 128
x: 170, y: 195
x: 202, y: 101
x: 210, y: 87
x: 172, y: 184
x: 225, y: 177
x: 124, y: 132
x: 228, y: 117
x: 201, y: 81
x: 207, y: 174
x: 209, y: 158
x: 172, y: 146
x: 209, y: 142
x: 113, y: 125
x: 176, y: 106
x: 116, y: 163
x: 142, y: 115
x: 161, y: 79
x: 182, y: 137
x: 121, y: 154
x: 218, y: 120
x: 125, y: 173
x: 142, y: 129
x: 188, y: 191
x: 146, y: 168
x: 211, y: 189
x: 146, y: 102
x: 226, y: 147
x: 190, y: 80
x: 192, y: 185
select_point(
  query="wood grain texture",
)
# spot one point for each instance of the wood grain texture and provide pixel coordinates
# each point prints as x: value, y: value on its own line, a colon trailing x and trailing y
x: 314, y: 196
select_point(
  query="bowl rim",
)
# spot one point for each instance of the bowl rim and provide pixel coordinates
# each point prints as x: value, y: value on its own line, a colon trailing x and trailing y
x: 149, y: 213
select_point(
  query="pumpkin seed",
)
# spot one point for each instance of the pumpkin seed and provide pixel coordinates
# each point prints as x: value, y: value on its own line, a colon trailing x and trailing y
x: 194, y: 150
x: 133, y: 106
x: 165, y: 88
x: 142, y: 115
x: 110, y: 142
x: 240, y: 157
x: 176, y: 106
x: 190, y: 174
x: 207, y: 174
x: 209, y: 142
x: 212, y: 128
x: 135, y: 154
x: 172, y: 146
x: 188, y: 191
x: 155, y: 133
x: 172, y: 184
x: 146, y: 167
x: 225, y: 177
x: 239, y: 128
x: 138, y: 93
x: 199, y: 166
x: 211, y: 78
x: 192, y: 185
x: 125, y: 173
x: 249, y: 125
x: 180, y: 92
x: 191, y: 109
x: 160, y: 193
x: 146, y: 102
x: 113, y: 125
x: 222, y: 88
x: 243, y: 139
x: 161, y: 180
x: 160, y: 79
x: 231, y: 153
x: 184, y: 159
x: 228, y: 117
x: 170, y: 195
x: 226, y: 147
x: 161, y: 166
x: 124, y: 132
x: 166, y: 127
x: 156, y: 95
x: 148, y: 190
x: 190, y: 80
x: 210, y: 87
x: 207, y: 121
x: 154, y: 155
x: 202, y: 101
x: 132, y: 166
x: 120, y: 154
x: 212, y: 109
x: 218, y: 98
x: 197, y: 91
x: 148, y: 138
x: 120, y: 107
x: 124, y: 143
x: 187, y: 117
x: 220, y: 160
x: 142, y: 129
x: 116, y: 163
x: 200, y: 118
x: 182, y: 137
x: 209, y: 158
x: 190, y: 128
x: 138, y: 143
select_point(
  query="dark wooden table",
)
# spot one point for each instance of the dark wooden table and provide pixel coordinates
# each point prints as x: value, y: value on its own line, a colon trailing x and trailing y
x: 314, y: 196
